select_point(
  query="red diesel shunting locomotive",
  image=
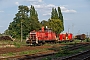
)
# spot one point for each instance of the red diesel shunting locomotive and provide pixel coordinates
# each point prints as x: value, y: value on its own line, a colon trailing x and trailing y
x: 46, y: 35
x: 41, y: 36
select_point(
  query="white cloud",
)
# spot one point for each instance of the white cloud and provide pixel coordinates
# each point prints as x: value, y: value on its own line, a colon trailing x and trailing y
x: 47, y: 14
x: 17, y: 3
x: 69, y: 11
x: 39, y: 0
x: 45, y: 9
x: 1, y: 11
x: 50, y: 6
x: 65, y: 10
x: 32, y: 0
x: 44, y: 6
x: 38, y: 6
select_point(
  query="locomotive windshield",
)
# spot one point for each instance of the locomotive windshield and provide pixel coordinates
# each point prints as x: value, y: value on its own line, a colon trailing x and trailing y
x: 33, y: 35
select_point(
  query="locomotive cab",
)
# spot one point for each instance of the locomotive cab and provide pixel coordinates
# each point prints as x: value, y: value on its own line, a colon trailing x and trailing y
x: 32, y: 38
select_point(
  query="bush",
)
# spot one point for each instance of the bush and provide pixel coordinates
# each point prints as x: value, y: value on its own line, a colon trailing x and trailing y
x: 17, y: 45
x: 87, y: 39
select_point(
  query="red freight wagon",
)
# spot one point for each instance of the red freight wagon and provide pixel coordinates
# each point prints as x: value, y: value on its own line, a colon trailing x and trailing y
x: 65, y: 37
x: 70, y: 36
x: 41, y: 36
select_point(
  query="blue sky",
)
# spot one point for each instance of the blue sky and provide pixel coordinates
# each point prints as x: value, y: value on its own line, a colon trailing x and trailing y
x: 76, y: 13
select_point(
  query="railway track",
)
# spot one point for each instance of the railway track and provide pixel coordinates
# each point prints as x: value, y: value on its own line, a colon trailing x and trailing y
x: 77, y: 46
x: 80, y: 56
x: 31, y: 57
x: 44, y: 54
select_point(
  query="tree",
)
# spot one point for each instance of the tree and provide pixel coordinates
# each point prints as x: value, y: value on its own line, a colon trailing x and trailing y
x: 56, y: 25
x: 57, y: 15
x: 20, y: 19
x: 54, y: 14
x: 27, y: 18
x: 60, y: 16
x: 45, y: 23
x: 25, y: 21
x: 35, y: 24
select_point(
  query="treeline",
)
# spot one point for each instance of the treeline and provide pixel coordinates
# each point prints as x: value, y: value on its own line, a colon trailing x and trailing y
x: 26, y: 20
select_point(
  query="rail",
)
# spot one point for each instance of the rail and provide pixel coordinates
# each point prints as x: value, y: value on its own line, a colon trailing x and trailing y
x: 80, y: 56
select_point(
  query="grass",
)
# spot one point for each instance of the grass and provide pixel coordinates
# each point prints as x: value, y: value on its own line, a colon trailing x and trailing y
x: 10, y: 54
x: 62, y: 50
x: 75, y: 41
x: 17, y: 43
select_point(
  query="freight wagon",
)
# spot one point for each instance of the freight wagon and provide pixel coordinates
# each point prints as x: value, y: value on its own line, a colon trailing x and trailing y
x: 80, y: 37
x: 65, y: 37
